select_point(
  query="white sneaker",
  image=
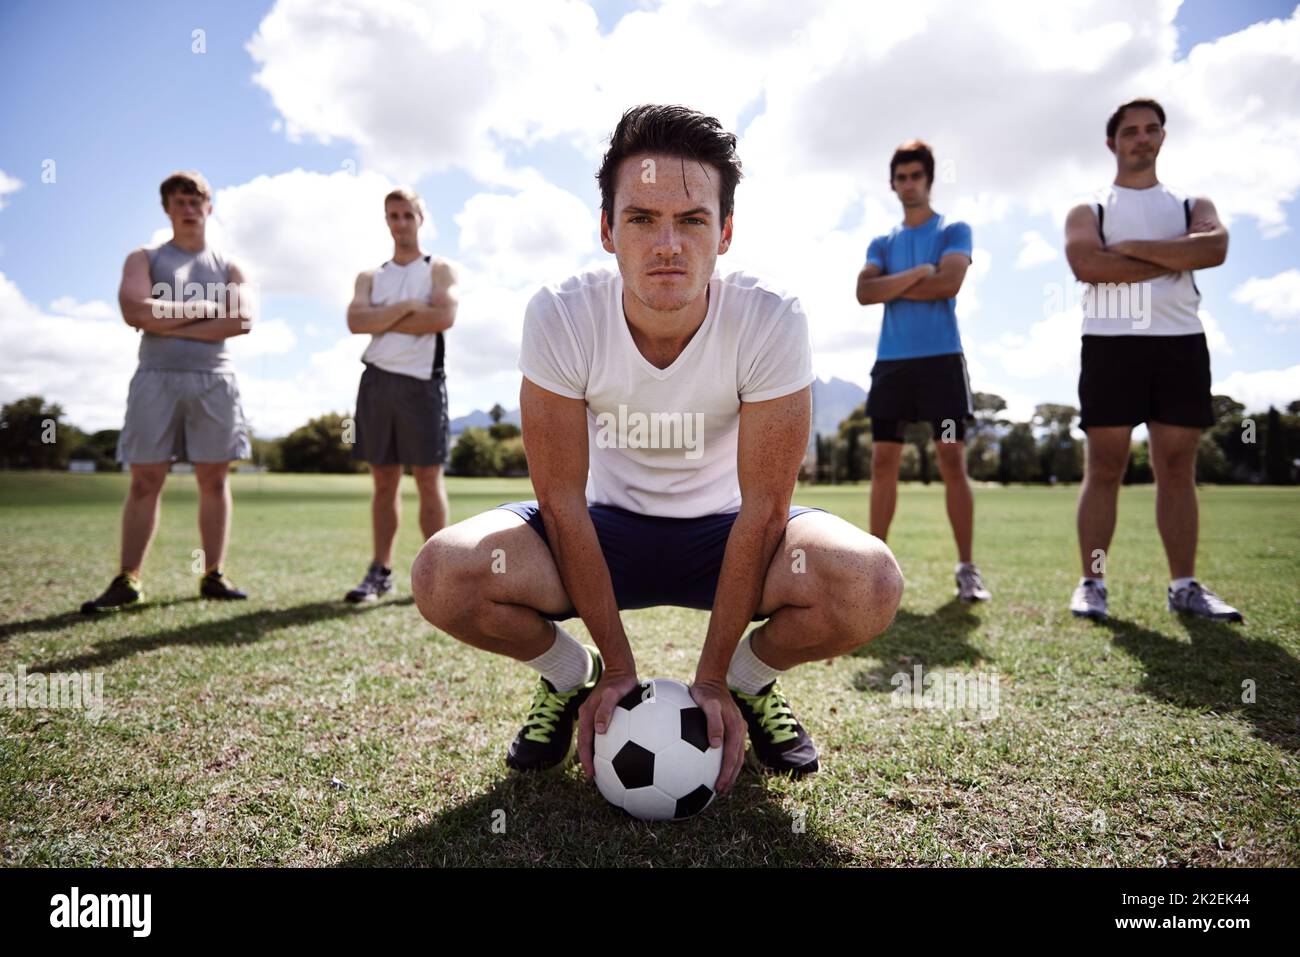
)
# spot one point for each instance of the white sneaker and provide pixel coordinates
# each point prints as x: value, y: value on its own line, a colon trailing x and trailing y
x: 970, y: 587
x: 1089, y: 600
x: 1195, y: 599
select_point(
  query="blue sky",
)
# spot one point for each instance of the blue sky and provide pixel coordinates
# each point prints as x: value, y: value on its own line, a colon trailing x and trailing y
x: 116, y: 97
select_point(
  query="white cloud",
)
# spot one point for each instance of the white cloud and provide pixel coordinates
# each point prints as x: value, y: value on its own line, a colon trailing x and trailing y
x: 94, y: 309
x: 1258, y: 390
x: 968, y: 302
x: 1048, y: 348
x: 83, y: 362
x: 1278, y: 297
x: 1034, y: 250
x: 1215, y: 338
x: 268, y: 337
x: 527, y: 238
x: 458, y: 78
x: 8, y: 184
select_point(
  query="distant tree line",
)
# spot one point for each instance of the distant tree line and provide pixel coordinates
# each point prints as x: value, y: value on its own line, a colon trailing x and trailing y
x: 1260, y: 448
x: 1238, y: 448
x: 35, y: 435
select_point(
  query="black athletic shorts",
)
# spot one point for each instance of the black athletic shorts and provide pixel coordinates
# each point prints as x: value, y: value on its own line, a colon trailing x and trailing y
x: 1124, y: 380
x: 934, y: 389
x: 654, y: 560
x: 401, y: 420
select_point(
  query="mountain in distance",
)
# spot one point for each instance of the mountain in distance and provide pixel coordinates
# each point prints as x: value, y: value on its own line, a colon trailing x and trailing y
x: 480, y: 420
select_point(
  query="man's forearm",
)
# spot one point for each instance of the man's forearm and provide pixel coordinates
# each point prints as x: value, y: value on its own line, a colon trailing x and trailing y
x: 1196, y: 251
x: 377, y: 319
x: 754, y: 539
x: 1105, y: 266
x: 213, y: 330
x: 425, y: 320
x: 931, y: 288
x: 586, y: 580
x: 163, y: 317
x: 886, y: 288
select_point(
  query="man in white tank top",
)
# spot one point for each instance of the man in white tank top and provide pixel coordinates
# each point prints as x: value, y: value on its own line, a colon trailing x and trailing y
x: 401, y: 419
x: 1144, y: 356
x: 186, y: 299
x: 666, y: 410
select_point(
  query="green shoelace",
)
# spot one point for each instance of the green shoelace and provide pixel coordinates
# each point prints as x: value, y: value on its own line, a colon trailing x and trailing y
x: 547, y: 708
x: 774, y: 714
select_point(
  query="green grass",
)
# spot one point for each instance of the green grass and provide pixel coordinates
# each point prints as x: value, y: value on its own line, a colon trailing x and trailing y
x: 227, y: 725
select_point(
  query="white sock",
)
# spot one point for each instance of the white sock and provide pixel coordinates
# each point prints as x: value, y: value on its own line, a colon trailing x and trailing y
x: 961, y: 565
x: 1095, y: 581
x: 566, y: 664
x: 1178, y: 583
x: 747, y: 672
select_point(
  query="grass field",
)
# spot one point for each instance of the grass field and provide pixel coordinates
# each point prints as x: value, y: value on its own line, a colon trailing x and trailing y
x: 293, y: 729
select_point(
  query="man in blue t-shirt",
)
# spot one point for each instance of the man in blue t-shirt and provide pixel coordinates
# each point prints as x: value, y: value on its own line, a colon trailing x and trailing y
x: 920, y: 372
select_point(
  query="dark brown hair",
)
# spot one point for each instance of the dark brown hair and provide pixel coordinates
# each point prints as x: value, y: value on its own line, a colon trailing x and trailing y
x: 675, y: 131
x: 1117, y: 117
x: 913, y: 151
x: 185, y: 181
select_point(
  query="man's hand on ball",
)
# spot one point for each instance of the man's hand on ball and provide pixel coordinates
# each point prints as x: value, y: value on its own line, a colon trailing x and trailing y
x: 593, y: 716
x: 726, y: 729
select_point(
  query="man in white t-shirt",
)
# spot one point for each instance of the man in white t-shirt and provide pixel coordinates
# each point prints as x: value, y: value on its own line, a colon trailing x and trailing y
x: 666, y: 410
x: 405, y: 306
x: 1144, y: 355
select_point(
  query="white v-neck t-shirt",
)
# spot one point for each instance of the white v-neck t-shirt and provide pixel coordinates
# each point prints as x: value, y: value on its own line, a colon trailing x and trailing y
x: 663, y: 441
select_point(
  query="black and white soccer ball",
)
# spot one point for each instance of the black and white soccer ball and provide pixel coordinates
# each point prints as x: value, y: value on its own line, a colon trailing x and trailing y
x: 654, y: 759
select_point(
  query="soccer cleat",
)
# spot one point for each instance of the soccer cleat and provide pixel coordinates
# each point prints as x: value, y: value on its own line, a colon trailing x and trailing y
x: 780, y: 744
x: 122, y: 591
x: 215, y: 584
x: 377, y: 583
x: 970, y: 587
x: 1089, y: 601
x: 1196, y: 599
x: 546, y: 739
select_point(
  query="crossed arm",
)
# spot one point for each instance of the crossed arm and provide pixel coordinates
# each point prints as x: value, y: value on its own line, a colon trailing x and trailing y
x: 1205, y: 244
x: 921, y: 282
x: 200, y: 319
x: 411, y: 316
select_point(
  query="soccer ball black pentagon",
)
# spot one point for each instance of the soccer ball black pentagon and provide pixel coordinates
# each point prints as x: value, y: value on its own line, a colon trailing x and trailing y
x: 654, y: 759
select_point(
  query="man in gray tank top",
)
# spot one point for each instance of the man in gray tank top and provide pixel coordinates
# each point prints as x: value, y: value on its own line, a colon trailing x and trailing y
x: 183, y: 405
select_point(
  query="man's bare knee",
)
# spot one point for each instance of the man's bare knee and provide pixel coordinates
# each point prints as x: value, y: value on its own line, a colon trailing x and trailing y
x: 147, y: 483
x: 443, y: 581
x: 876, y: 582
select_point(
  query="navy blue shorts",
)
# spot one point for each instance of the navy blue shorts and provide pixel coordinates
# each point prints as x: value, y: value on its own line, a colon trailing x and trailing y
x: 654, y: 560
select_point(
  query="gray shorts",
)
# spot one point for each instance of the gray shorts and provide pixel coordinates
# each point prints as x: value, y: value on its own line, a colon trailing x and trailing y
x: 183, y: 416
x: 401, y: 420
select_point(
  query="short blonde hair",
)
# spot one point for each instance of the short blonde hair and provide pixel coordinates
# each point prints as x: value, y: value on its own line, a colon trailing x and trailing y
x: 411, y: 196
x: 185, y: 181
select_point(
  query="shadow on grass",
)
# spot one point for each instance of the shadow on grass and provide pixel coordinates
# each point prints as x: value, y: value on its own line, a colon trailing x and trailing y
x: 68, y: 619
x: 936, y: 640
x: 239, y: 630
x: 560, y: 820
x: 1209, y: 673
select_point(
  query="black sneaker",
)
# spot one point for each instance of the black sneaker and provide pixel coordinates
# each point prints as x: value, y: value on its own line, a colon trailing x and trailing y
x: 215, y: 584
x: 546, y: 739
x: 780, y: 744
x: 122, y: 591
x: 377, y: 583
